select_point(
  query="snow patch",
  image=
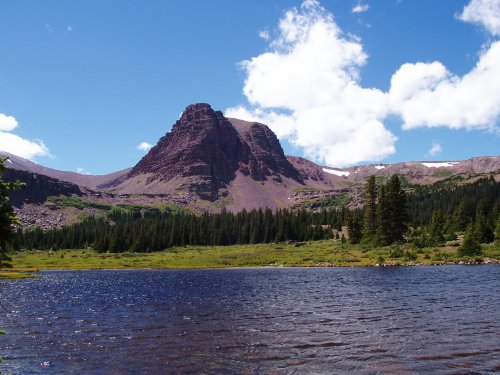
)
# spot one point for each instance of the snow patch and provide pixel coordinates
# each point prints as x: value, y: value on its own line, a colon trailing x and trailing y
x: 10, y: 161
x: 379, y: 166
x: 438, y: 165
x: 336, y: 173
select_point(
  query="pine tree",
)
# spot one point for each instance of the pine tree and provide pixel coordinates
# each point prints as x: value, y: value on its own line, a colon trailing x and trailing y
x: 470, y: 246
x: 436, y: 232
x: 399, y: 211
x: 383, y: 217
x: 354, y: 228
x: 8, y: 218
x: 392, y: 212
x: 464, y: 213
x: 497, y: 230
x: 483, y: 230
x: 370, y: 209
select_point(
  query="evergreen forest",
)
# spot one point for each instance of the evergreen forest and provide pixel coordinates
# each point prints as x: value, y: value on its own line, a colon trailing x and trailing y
x: 422, y: 215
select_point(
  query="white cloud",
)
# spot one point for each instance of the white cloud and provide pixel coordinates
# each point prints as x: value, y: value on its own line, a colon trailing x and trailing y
x: 306, y: 88
x: 144, y: 146
x: 427, y: 95
x: 435, y: 149
x: 360, y: 8
x: 7, y: 123
x: 22, y: 147
x: 483, y: 12
x: 82, y: 171
x: 16, y: 145
x: 264, y: 34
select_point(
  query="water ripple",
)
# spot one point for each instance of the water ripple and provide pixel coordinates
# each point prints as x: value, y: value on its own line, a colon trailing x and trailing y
x: 254, y: 321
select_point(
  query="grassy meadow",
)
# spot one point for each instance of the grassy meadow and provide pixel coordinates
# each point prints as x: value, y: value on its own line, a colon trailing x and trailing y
x: 310, y: 254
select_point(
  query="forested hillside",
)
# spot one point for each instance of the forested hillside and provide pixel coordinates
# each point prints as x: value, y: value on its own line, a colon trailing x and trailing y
x: 425, y: 216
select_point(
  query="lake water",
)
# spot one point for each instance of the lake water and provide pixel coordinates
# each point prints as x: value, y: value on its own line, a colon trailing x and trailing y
x: 399, y: 320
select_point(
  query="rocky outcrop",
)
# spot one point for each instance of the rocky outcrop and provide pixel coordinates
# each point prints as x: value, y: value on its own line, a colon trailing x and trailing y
x: 209, y: 150
x: 37, y: 187
x: 263, y: 157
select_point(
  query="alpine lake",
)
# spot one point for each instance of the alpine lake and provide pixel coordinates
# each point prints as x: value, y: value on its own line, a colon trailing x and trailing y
x: 321, y: 320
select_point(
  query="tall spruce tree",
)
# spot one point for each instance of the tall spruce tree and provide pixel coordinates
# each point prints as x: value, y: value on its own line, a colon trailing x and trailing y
x: 8, y: 218
x: 437, y: 228
x: 464, y: 213
x: 383, y: 217
x: 392, y: 212
x: 484, y: 226
x: 354, y: 227
x: 370, y: 209
x: 470, y: 246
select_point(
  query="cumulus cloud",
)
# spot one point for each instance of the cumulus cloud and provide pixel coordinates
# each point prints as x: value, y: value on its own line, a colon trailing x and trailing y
x: 7, y: 123
x: 483, y: 12
x: 22, y: 147
x: 264, y: 34
x: 360, y: 8
x: 16, y: 145
x: 435, y: 149
x: 427, y: 95
x: 144, y: 146
x: 306, y: 88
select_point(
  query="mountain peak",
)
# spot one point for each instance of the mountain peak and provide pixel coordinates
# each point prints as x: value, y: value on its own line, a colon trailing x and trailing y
x: 194, y: 112
x: 208, y: 150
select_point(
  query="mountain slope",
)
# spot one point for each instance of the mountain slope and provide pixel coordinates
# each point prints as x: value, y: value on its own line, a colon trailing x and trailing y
x: 94, y: 182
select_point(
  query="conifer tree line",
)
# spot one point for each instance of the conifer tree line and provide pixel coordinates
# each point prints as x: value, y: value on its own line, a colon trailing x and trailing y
x: 472, y: 209
x: 426, y: 216
x: 157, y: 231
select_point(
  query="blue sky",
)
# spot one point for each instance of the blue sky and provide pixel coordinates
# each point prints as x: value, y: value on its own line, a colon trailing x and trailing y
x: 83, y: 83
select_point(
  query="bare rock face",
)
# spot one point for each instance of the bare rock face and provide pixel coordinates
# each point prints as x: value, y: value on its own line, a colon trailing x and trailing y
x: 205, y: 147
x: 263, y: 157
x: 37, y: 187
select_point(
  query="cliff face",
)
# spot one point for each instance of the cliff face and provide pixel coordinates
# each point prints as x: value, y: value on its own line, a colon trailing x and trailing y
x: 209, y: 149
x: 37, y: 187
x: 263, y: 157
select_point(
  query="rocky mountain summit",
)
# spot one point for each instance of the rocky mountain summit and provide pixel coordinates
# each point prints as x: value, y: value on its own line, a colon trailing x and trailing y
x: 204, y: 152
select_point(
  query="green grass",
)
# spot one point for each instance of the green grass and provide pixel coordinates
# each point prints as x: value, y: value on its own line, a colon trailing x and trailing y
x: 443, y: 174
x: 338, y: 201
x: 64, y: 201
x: 16, y: 275
x: 311, y: 254
x: 305, y: 189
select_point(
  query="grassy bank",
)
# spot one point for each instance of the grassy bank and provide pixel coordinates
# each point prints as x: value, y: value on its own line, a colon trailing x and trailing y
x: 16, y: 275
x: 311, y: 254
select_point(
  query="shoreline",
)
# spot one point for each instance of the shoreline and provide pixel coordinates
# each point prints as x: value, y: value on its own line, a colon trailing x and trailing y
x: 29, y: 271
x: 14, y: 274
x: 311, y: 254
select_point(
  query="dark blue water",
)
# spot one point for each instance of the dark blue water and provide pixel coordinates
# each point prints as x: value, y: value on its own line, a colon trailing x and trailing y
x: 254, y: 321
